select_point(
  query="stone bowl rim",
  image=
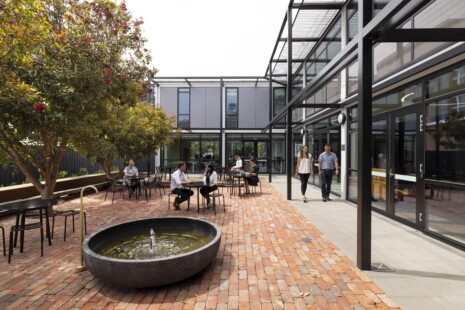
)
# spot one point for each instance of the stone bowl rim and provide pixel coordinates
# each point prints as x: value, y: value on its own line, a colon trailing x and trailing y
x: 89, y: 251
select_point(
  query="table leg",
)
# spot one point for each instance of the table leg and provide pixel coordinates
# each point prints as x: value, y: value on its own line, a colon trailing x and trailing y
x: 21, y: 236
x: 198, y: 201
x: 18, y: 214
x: 47, y: 226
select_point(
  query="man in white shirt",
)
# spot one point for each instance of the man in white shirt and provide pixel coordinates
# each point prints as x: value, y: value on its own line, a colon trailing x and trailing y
x: 238, y: 165
x: 178, y: 178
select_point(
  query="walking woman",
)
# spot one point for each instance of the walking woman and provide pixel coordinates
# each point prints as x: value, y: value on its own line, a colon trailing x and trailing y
x: 303, y: 169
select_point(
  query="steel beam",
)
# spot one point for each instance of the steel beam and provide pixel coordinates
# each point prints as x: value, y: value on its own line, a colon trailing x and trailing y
x: 365, y: 81
x: 424, y: 35
x: 289, y: 111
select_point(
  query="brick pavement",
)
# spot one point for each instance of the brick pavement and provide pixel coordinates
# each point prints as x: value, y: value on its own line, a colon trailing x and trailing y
x: 270, y: 257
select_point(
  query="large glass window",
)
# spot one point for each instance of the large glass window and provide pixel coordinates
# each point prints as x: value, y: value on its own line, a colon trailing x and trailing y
x: 279, y: 100
x: 446, y: 83
x: 401, y: 98
x: 445, y: 167
x: 232, y: 107
x: 353, y: 156
x: 184, y: 108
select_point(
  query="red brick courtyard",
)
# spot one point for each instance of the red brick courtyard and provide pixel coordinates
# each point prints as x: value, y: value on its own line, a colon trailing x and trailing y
x: 270, y: 257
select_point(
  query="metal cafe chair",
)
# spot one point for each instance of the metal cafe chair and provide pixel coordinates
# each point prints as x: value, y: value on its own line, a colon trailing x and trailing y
x: 114, y: 187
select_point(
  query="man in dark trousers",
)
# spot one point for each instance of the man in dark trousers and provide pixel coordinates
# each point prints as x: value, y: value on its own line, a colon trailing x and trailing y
x: 327, y: 161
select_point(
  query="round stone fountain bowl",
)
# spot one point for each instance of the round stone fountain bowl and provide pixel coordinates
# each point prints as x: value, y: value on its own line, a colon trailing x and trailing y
x: 146, y: 273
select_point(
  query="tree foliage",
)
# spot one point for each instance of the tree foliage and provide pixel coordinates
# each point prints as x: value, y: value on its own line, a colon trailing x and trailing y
x: 64, y: 65
x: 128, y: 133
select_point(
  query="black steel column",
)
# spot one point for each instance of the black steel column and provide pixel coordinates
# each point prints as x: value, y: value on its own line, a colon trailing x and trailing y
x: 270, y: 117
x: 365, y: 80
x: 288, y: 99
x: 222, y: 156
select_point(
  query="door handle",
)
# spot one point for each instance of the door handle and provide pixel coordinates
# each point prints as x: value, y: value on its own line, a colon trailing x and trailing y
x: 421, y: 170
x: 391, y: 174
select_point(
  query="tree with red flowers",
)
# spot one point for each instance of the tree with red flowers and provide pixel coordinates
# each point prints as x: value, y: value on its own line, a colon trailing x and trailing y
x: 63, y: 65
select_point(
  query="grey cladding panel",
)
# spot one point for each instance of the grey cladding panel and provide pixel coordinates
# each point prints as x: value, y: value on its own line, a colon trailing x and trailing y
x: 262, y: 107
x: 246, y: 107
x: 169, y: 100
x: 213, y: 106
x: 197, y: 109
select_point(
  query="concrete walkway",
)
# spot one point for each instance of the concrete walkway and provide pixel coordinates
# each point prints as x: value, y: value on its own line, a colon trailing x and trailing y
x: 428, y: 274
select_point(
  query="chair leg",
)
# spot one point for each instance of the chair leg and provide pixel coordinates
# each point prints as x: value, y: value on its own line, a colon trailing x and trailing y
x: 106, y: 194
x: 10, y: 247
x: 113, y: 199
x: 41, y: 240
x: 3, y: 235
x: 64, y: 233
x: 85, y: 223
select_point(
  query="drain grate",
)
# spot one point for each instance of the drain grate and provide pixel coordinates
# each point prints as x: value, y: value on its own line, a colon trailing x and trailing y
x: 381, y: 267
x: 308, y: 240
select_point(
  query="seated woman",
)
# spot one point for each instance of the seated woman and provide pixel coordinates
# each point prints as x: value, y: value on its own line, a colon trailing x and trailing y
x: 210, y: 179
x: 129, y: 172
x: 252, y: 176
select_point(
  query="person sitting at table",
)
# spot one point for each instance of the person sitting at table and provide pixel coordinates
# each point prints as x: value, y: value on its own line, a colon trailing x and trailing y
x: 178, y: 178
x: 252, y: 176
x: 238, y: 165
x: 210, y: 179
x: 129, y: 172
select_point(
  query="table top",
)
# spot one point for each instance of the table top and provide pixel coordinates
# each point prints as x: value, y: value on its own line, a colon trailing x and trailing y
x: 195, y: 184
x: 30, y: 204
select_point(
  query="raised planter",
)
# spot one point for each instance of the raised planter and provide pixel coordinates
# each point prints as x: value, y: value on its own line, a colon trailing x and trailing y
x: 150, y: 272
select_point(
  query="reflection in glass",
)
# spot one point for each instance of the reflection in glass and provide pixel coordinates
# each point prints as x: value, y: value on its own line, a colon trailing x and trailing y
x: 405, y: 167
x: 378, y: 171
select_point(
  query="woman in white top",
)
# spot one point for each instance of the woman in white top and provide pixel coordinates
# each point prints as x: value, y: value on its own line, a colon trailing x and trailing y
x: 304, y: 169
x: 210, y: 180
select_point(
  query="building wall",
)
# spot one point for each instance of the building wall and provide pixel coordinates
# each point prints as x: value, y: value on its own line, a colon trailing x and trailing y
x: 253, y: 107
x: 205, y: 107
x: 169, y: 100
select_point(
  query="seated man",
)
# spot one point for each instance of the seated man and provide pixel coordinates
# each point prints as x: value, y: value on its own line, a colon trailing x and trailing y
x: 251, y: 176
x: 238, y: 165
x: 178, y: 178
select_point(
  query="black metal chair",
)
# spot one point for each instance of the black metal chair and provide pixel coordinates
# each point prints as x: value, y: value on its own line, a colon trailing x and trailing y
x: 112, y: 186
x: 217, y: 194
x: 254, y: 187
x: 154, y: 182
x: 66, y: 214
x: 22, y: 227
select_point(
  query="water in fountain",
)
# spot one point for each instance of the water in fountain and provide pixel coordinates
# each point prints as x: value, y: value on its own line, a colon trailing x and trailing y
x: 168, y: 243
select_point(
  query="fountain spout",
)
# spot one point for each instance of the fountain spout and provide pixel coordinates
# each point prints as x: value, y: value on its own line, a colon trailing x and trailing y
x: 82, y: 267
x: 152, y: 239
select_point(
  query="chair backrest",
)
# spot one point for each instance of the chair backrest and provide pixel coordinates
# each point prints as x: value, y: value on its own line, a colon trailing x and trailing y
x: 111, y: 183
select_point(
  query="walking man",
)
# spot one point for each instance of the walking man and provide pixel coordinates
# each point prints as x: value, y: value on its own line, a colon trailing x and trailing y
x: 327, y: 161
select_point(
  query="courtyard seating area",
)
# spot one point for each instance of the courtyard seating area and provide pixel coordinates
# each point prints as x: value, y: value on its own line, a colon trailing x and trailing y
x: 270, y: 257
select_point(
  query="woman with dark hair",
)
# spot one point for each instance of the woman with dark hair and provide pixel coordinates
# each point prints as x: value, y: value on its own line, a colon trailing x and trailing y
x: 210, y: 179
x: 304, y: 169
x: 251, y: 176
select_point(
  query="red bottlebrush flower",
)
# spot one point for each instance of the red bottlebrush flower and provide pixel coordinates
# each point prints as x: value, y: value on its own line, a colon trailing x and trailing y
x: 107, y: 81
x: 39, y: 106
x: 87, y: 39
x: 62, y: 39
x: 107, y: 72
x: 123, y: 76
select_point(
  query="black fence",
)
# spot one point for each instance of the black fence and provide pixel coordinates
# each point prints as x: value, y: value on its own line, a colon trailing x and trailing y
x: 72, y: 164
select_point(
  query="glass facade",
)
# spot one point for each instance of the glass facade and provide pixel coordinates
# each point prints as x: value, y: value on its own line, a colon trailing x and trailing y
x: 184, y: 108
x: 247, y: 145
x: 194, y: 149
x: 232, y: 107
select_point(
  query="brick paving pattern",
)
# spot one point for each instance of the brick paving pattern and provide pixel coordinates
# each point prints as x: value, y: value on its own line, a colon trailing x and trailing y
x: 270, y: 257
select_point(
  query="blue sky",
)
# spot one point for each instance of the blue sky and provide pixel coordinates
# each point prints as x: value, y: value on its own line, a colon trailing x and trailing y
x: 210, y: 37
